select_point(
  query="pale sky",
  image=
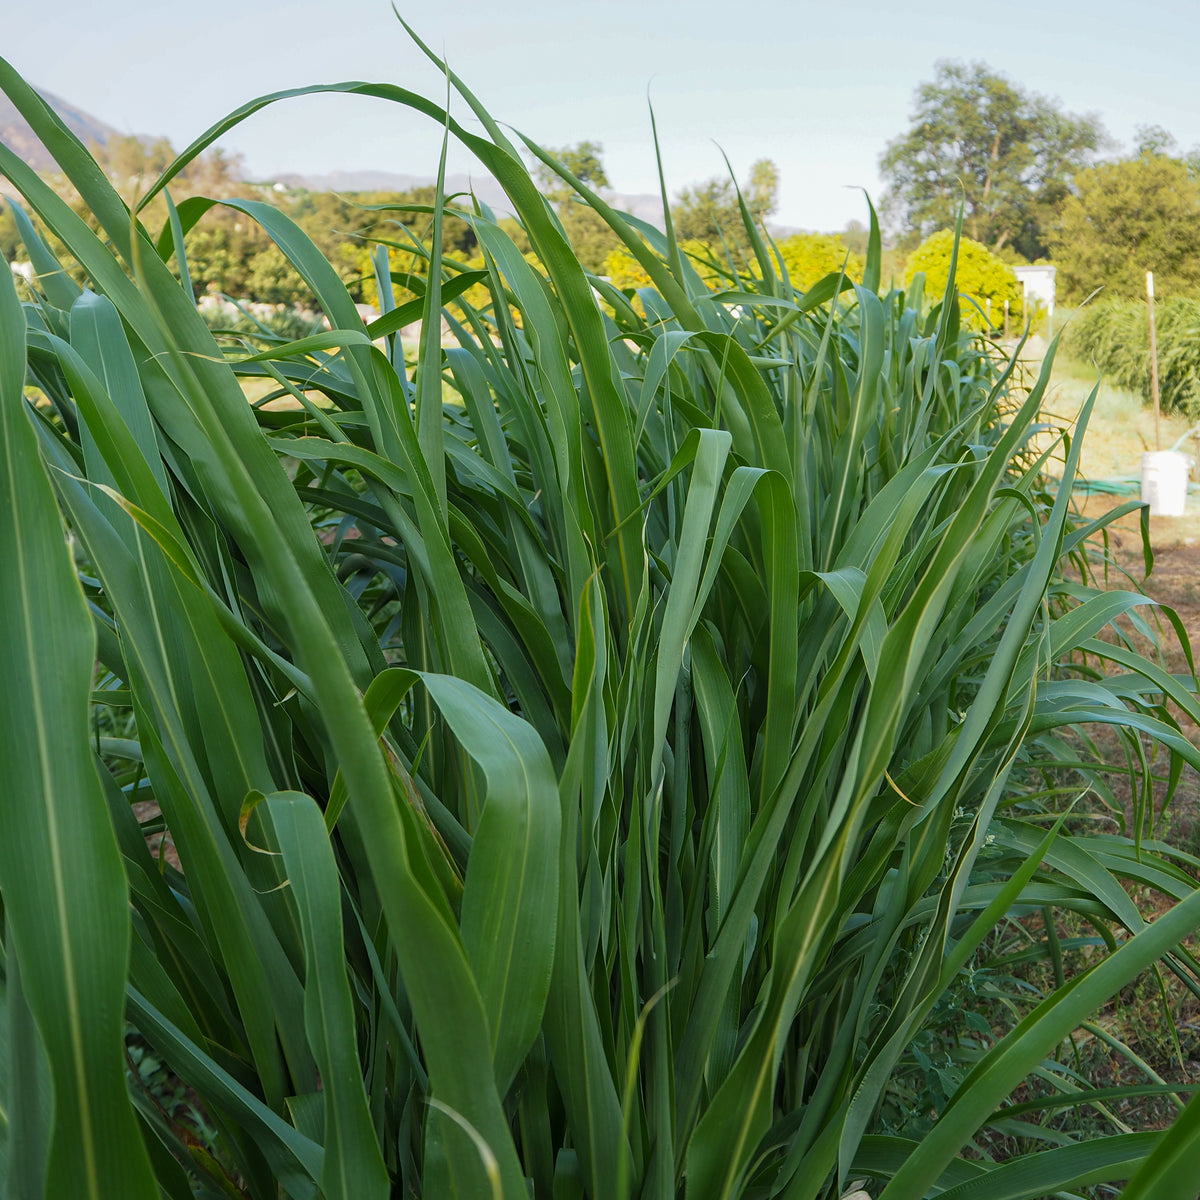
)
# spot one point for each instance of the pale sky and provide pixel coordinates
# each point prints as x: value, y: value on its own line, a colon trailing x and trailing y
x: 819, y: 88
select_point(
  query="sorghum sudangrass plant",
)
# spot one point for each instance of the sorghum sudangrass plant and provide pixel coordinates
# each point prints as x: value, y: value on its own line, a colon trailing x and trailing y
x: 589, y: 755
x: 1115, y: 336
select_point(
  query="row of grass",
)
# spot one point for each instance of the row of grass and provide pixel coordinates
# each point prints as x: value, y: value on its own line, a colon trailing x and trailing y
x: 1115, y: 337
x: 588, y: 756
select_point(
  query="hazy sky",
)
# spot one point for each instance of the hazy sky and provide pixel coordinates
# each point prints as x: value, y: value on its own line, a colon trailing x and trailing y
x: 820, y: 88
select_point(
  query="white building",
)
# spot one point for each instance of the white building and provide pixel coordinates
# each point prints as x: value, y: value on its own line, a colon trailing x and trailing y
x: 1037, y: 285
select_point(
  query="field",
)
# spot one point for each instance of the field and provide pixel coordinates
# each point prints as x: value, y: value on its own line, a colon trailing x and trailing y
x: 668, y: 743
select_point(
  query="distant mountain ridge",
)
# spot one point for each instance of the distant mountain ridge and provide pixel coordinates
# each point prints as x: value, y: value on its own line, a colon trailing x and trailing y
x: 482, y: 185
x: 16, y: 134
x: 19, y: 137
x: 645, y: 205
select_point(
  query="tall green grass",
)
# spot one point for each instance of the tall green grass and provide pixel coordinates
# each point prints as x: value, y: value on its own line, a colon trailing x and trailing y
x: 1115, y: 337
x: 587, y: 756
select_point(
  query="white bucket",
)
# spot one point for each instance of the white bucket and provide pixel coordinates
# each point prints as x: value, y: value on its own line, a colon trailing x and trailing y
x: 1164, y: 482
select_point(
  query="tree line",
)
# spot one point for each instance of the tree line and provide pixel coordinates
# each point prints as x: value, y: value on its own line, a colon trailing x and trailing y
x: 1033, y: 181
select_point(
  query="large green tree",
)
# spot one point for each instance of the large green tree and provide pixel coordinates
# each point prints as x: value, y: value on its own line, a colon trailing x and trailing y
x: 709, y: 212
x: 1128, y: 218
x: 979, y: 139
x: 582, y: 160
x: 586, y: 230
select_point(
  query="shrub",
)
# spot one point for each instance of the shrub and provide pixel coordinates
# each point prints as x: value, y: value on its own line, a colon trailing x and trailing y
x: 587, y: 760
x: 809, y: 257
x: 981, y: 278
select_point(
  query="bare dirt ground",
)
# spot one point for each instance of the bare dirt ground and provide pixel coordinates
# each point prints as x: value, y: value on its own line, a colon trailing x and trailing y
x: 1175, y: 581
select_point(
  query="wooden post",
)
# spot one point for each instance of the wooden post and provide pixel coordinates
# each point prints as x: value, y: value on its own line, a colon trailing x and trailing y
x: 1006, y: 320
x: 1153, y: 356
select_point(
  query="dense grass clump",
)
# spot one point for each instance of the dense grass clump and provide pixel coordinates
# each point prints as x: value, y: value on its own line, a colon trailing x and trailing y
x: 1116, y: 337
x: 585, y: 759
